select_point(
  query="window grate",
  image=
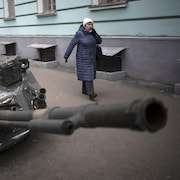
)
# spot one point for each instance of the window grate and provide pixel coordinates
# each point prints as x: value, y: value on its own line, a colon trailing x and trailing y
x: 46, y: 7
x: 111, y: 2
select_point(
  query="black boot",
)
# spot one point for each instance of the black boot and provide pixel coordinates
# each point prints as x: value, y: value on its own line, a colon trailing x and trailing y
x: 84, y: 88
x: 84, y: 92
x: 92, y: 97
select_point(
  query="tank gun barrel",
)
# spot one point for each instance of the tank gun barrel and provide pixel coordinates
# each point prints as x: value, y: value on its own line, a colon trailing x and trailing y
x: 63, y: 127
x: 149, y: 114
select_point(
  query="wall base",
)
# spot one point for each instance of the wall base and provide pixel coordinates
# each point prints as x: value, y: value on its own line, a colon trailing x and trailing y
x: 177, y: 88
x: 50, y: 64
x: 112, y: 76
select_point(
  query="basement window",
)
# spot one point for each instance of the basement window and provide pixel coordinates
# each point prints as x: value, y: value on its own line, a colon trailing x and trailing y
x: 107, y: 4
x: 9, y: 10
x: 46, y: 7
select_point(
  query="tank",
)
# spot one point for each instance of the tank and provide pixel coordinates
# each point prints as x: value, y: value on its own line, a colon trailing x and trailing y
x: 23, y: 108
x: 19, y: 91
x: 140, y: 115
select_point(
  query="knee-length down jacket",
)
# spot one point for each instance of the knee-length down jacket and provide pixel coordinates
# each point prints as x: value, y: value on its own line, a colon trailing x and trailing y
x: 86, y: 53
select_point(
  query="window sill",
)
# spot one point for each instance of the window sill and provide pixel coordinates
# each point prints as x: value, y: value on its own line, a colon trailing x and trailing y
x: 9, y: 19
x: 104, y: 7
x: 47, y: 14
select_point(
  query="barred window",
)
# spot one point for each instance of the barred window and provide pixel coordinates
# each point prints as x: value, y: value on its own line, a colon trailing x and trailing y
x: 46, y: 7
x: 9, y: 9
x: 111, y: 2
x: 106, y: 4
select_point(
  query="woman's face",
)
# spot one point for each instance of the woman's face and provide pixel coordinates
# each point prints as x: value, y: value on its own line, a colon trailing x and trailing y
x: 89, y: 26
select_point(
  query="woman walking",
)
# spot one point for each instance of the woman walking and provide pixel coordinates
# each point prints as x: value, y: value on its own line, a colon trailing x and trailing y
x: 86, y: 39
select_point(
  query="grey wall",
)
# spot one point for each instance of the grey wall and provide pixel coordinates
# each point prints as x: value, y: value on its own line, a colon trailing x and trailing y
x: 150, y: 59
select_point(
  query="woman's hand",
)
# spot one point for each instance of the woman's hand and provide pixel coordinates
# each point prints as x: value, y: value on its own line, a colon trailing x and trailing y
x: 94, y: 31
x: 97, y: 36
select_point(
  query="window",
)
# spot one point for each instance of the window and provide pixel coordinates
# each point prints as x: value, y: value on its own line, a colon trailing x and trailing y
x: 9, y: 9
x: 46, y: 7
x: 103, y: 4
x: 111, y: 2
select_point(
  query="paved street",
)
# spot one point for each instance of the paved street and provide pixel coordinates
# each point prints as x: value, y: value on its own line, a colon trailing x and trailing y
x: 96, y: 154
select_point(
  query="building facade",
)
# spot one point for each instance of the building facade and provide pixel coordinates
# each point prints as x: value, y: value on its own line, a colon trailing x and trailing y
x: 148, y: 29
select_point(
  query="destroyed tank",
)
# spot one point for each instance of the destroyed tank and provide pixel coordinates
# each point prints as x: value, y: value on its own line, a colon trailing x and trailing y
x: 23, y: 108
x: 19, y: 91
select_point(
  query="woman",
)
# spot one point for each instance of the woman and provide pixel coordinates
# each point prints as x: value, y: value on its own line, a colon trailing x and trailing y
x: 86, y: 39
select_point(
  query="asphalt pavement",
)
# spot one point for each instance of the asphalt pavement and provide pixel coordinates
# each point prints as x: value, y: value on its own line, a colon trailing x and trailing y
x: 96, y: 154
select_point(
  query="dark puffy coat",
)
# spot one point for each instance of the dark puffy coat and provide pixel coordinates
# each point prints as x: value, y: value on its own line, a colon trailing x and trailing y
x: 86, y: 53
